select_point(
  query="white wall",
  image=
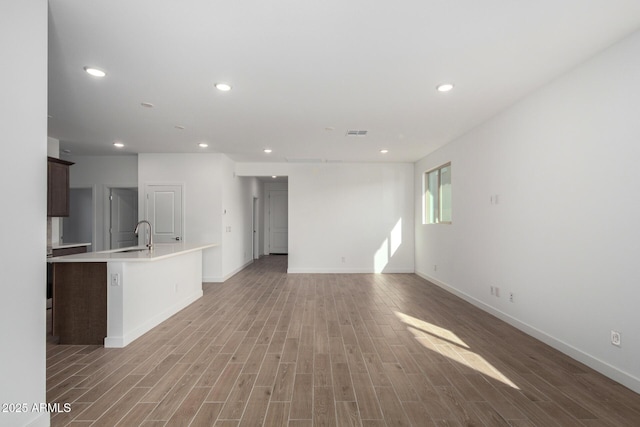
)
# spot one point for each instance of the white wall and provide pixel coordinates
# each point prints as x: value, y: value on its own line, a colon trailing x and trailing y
x: 209, y: 188
x: 209, y: 183
x: 564, y: 234
x: 200, y: 174
x: 362, y: 212
x: 23, y: 125
x: 237, y: 208
x: 101, y: 173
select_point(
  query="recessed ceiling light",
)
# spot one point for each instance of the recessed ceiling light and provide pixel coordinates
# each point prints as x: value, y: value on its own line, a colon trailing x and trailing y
x: 268, y: 150
x: 179, y: 127
x: 118, y: 144
x: 444, y: 87
x: 225, y: 87
x: 203, y: 145
x: 146, y: 104
x: 95, y: 72
x: 384, y: 151
x: 273, y: 176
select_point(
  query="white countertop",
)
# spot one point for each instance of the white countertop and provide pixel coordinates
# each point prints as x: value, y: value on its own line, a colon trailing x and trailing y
x: 68, y: 245
x: 160, y: 251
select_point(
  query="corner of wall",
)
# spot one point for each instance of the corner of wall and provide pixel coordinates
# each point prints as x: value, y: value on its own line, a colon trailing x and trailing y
x: 612, y: 372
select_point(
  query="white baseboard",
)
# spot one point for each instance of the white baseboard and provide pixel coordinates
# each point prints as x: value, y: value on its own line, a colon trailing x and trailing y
x: 346, y: 271
x: 237, y: 270
x: 221, y: 279
x: 604, y: 368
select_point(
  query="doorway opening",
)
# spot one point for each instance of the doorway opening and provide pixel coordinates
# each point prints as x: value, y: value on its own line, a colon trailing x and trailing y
x: 123, y: 217
x: 79, y: 226
x: 278, y: 217
x: 270, y: 225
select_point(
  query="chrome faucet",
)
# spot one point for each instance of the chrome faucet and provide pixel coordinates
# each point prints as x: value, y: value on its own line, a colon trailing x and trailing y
x: 150, y: 240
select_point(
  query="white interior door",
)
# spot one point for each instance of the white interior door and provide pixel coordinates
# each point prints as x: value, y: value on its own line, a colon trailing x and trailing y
x: 124, y: 216
x: 278, y: 222
x: 164, y: 212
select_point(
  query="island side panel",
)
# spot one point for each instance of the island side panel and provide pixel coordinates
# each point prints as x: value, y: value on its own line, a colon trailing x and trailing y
x: 149, y: 293
x: 79, y: 302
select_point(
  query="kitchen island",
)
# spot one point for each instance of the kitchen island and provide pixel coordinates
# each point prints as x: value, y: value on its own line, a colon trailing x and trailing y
x: 112, y: 297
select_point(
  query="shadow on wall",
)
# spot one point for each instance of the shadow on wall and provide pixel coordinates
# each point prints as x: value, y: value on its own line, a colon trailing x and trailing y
x: 388, y: 248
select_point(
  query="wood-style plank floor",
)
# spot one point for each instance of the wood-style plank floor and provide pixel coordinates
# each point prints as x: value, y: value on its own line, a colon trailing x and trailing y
x: 270, y: 349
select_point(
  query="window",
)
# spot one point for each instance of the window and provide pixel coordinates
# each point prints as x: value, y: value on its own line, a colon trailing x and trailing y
x: 437, y: 195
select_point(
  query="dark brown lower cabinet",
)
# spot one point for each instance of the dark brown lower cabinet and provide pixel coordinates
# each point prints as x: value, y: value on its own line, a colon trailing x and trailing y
x: 61, y: 252
x: 80, y: 302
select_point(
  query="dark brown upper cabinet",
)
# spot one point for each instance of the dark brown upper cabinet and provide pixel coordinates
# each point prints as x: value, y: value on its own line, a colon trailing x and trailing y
x: 57, y: 187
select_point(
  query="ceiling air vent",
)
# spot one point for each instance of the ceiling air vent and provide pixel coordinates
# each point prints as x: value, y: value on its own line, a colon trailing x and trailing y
x: 353, y: 132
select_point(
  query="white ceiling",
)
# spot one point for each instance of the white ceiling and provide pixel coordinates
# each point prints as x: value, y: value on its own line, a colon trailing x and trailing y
x: 299, y: 68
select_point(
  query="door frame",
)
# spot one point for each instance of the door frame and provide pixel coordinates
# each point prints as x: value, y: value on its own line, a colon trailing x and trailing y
x: 255, y: 228
x: 106, y: 223
x: 137, y: 209
x: 267, y: 188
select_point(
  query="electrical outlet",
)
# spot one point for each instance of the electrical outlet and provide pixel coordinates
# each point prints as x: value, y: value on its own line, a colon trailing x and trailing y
x: 498, y: 292
x: 175, y: 288
x: 616, y: 338
x: 343, y: 260
x: 493, y: 290
x: 435, y: 267
x: 510, y: 296
x: 115, y: 279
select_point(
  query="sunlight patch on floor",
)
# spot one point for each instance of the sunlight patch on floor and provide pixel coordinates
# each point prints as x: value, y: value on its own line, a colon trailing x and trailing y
x: 451, y: 346
x: 431, y: 329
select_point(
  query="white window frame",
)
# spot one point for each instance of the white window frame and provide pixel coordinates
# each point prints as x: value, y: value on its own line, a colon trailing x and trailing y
x: 426, y: 208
